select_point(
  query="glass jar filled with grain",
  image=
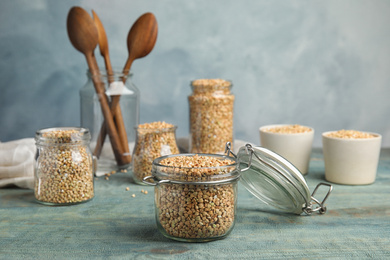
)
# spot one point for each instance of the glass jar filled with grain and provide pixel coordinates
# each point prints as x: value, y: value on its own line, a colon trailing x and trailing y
x: 153, y: 140
x: 195, y: 196
x: 64, y: 166
x: 211, y: 115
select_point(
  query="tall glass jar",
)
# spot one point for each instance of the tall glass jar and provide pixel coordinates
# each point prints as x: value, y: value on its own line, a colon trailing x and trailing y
x: 153, y: 140
x: 118, y: 86
x: 211, y: 115
x: 64, y: 168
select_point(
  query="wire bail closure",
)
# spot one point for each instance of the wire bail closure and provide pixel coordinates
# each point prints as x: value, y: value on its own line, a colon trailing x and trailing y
x: 314, y: 205
x: 321, y: 208
x: 228, y: 150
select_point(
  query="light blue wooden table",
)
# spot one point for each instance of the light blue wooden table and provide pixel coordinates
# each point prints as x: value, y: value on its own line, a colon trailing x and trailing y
x: 115, y: 225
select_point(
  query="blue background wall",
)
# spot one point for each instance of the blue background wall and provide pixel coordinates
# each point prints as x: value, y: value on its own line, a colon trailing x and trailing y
x: 325, y: 64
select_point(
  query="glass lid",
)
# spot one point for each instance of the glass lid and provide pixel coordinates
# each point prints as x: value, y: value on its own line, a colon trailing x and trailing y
x: 276, y: 181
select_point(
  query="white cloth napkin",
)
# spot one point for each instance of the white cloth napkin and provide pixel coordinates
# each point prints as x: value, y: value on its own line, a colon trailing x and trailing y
x: 17, y: 163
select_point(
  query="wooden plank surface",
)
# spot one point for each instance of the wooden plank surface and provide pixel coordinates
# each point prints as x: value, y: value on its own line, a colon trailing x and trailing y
x: 114, y: 225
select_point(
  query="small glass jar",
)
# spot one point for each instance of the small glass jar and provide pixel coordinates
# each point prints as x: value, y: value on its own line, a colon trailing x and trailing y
x: 211, y: 115
x: 153, y: 140
x: 118, y: 86
x: 64, y: 168
x: 196, y: 201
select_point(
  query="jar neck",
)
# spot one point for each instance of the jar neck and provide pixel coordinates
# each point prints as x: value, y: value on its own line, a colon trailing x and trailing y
x: 142, y: 130
x: 196, y: 174
x: 114, y: 75
x: 211, y: 86
x: 62, y: 136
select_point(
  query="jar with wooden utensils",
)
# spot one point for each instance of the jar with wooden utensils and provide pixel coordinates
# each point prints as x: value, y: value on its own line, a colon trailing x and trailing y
x: 115, y: 94
x: 126, y: 116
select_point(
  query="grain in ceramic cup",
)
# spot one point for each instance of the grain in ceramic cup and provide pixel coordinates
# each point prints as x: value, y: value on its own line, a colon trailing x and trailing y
x: 351, y: 157
x: 293, y: 142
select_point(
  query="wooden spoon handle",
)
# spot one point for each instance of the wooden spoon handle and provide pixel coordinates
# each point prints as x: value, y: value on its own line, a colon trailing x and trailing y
x: 116, y: 111
x: 110, y: 125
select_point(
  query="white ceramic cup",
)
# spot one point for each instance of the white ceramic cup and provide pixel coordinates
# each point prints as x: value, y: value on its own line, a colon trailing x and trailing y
x: 351, y: 161
x: 295, y: 147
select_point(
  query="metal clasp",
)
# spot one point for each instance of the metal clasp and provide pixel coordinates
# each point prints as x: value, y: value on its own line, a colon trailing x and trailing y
x: 145, y: 180
x: 228, y: 150
x: 320, y: 205
x: 155, y: 181
x: 308, y: 206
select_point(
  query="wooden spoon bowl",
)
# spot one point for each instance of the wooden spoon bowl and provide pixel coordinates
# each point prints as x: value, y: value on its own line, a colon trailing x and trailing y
x: 141, y: 38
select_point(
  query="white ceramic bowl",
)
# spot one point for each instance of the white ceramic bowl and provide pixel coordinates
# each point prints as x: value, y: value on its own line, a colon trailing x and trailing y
x: 351, y: 161
x: 295, y: 147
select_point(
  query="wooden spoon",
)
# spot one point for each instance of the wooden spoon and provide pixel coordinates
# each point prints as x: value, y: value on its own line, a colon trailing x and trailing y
x: 83, y: 35
x: 141, y: 38
x: 140, y: 42
x: 116, y: 111
x: 103, y: 42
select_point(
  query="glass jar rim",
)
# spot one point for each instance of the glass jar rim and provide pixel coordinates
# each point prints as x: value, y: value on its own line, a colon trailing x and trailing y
x: 154, y: 129
x: 212, y: 82
x: 117, y: 72
x: 228, y: 176
x: 79, y: 135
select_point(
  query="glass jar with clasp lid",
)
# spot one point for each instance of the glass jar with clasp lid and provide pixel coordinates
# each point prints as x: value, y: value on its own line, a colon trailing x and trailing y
x: 196, y: 202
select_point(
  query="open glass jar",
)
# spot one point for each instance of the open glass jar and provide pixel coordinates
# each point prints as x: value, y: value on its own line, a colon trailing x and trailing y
x: 196, y: 200
x: 64, y: 166
x: 195, y: 204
